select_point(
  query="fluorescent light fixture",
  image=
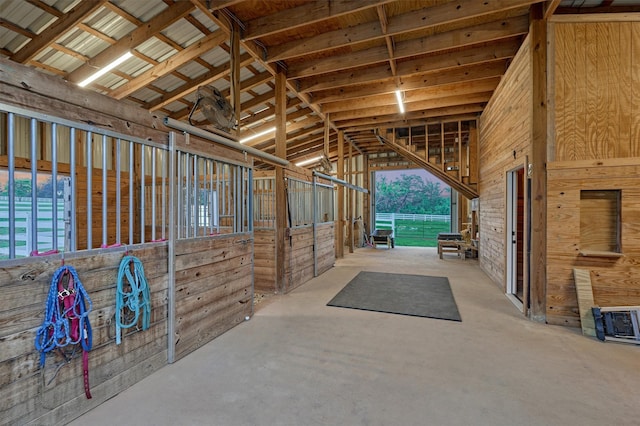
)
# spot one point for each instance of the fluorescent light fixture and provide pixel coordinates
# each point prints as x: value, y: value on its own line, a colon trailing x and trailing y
x: 399, y: 98
x: 105, y: 70
x: 309, y: 161
x: 257, y: 135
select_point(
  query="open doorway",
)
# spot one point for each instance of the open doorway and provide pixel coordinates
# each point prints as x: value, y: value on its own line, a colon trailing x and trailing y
x: 515, y: 237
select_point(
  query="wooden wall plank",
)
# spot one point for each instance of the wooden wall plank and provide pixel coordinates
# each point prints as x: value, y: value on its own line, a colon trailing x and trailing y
x: 504, y: 144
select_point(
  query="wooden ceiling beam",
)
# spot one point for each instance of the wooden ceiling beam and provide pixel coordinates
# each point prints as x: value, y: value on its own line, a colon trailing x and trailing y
x: 505, y: 49
x: 413, y: 96
x: 258, y: 53
x: 53, y: 32
x: 309, y: 13
x: 421, y: 81
x: 269, y: 112
x: 196, y: 49
x: 446, y: 41
x: 429, y: 17
x: 192, y: 85
x: 438, y: 102
x: 291, y: 127
x: 136, y: 37
x: 382, y: 120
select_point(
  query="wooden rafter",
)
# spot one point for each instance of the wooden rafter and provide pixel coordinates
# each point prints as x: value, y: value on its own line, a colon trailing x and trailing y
x: 439, y: 42
x: 445, y: 14
x: 131, y: 40
x: 52, y: 33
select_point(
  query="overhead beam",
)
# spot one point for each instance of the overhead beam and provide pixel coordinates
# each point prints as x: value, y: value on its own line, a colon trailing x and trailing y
x: 52, y: 33
x: 477, y: 34
x: 410, y: 117
x: 413, y: 96
x: 309, y: 13
x: 191, y: 86
x: 470, y: 55
x: 416, y: 82
x: 438, y: 102
x: 196, y: 49
x: 419, y: 20
x: 136, y: 37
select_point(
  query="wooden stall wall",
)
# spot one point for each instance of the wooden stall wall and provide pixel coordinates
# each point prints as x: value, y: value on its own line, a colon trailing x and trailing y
x: 325, y: 247
x: 213, y: 276
x: 505, y: 140
x: 264, y: 268
x: 214, y: 288
x: 596, y: 123
x: 31, y: 394
x: 298, y: 267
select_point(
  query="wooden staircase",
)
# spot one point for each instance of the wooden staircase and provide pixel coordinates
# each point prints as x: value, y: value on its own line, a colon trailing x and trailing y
x: 449, y: 153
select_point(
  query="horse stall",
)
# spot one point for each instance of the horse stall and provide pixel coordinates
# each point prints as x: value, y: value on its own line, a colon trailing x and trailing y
x: 309, y: 246
x: 99, y: 191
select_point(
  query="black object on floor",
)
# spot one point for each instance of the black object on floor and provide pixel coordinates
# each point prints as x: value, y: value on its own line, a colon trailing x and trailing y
x: 415, y: 295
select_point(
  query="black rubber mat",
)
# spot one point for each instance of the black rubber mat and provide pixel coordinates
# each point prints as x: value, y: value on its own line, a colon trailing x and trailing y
x: 415, y: 295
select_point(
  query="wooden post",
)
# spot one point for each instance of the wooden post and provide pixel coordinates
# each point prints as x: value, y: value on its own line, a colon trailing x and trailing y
x: 538, y: 284
x: 281, y: 195
x: 366, y: 208
x: 340, y: 218
x: 351, y: 198
x: 235, y: 74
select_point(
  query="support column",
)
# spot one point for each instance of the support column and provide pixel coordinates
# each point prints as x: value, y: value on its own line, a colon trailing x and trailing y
x: 366, y: 198
x: 352, y: 201
x: 280, y: 186
x: 340, y: 197
x: 235, y: 75
x: 538, y: 284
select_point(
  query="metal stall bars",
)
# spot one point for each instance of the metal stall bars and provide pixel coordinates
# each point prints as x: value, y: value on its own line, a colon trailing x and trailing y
x: 323, y: 212
x: 264, y: 203
x: 48, y: 209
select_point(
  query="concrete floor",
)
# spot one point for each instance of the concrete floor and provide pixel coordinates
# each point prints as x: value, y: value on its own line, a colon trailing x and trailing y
x: 299, y: 362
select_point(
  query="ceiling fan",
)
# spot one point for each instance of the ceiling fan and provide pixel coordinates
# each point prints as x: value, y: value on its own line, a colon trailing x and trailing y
x: 215, y: 107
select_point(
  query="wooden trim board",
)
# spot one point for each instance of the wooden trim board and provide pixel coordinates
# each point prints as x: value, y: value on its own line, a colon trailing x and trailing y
x: 584, y: 291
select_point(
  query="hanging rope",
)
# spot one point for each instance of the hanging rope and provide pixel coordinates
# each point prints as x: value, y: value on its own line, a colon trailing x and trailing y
x: 66, y: 319
x: 129, y: 303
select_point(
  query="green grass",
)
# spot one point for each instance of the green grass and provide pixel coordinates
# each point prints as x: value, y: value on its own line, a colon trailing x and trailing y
x: 418, y: 233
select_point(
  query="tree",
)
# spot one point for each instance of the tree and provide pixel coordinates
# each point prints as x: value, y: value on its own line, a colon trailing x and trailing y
x: 411, y: 194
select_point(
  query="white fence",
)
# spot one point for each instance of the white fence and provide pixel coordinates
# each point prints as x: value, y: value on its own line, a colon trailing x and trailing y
x: 23, y: 227
x: 388, y: 220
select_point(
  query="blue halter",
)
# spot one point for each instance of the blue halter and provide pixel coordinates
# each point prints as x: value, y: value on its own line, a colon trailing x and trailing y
x: 138, y: 298
x: 57, y: 330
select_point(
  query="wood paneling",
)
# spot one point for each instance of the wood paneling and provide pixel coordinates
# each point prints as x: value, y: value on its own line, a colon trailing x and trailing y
x: 325, y: 246
x: 505, y: 138
x: 615, y: 280
x: 597, y: 109
x: 213, y: 288
x: 264, y: 258
x: 23, y: 396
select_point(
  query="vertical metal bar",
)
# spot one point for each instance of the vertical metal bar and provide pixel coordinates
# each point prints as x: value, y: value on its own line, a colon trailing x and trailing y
x: 187, y: 195
x: 89, y: 161
x: 250, y: 200
x: 164, y: 194
x: 237, y: 198
x: 142, y: 195
x: 118, y: 192
x: 54, y: 186
x: 171, y: 296
x: 218, y: 195
x: 154, y: 154
x: 178, y: 189
x: 34, y: 185
x: 212, y: 195
x: 11, y: 127
x: 131, y: 184
x: 104, y: 191
x: 72, y: 170
x: 315, y: 225
x: 196, y: 201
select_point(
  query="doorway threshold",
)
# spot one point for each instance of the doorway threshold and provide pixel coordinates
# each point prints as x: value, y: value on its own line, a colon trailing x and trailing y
x: 517, y: 302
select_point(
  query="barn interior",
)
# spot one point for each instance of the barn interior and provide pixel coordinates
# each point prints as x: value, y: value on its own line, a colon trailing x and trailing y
x: 231, y: 146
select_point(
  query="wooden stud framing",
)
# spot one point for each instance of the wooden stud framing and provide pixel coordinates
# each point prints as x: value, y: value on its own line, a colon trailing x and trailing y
x: 281, y: 195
